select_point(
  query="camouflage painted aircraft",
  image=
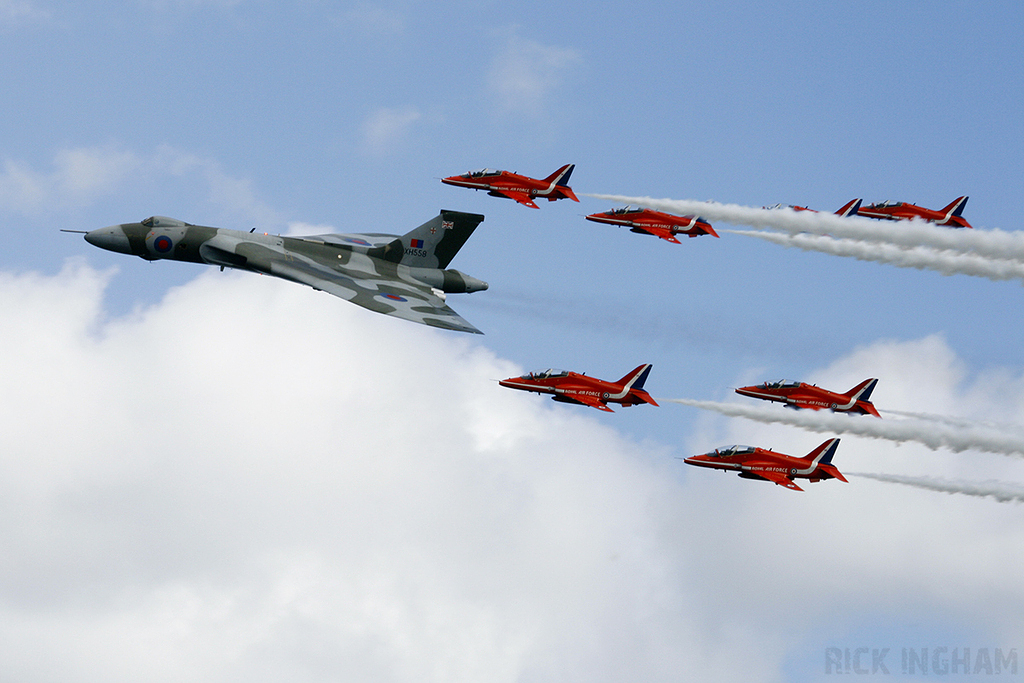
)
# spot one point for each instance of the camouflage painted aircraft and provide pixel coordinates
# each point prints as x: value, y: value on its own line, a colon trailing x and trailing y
x: 406, y: 276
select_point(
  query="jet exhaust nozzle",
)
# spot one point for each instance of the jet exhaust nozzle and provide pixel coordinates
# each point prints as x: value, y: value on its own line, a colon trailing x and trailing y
x: 457, y: 282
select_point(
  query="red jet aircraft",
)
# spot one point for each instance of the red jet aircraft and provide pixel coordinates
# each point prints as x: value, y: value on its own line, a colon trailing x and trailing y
x: 902, y: 211
x: 521, y: 188
x: 848, y: 209
x: 663, y: 225
x: 757, y: 463
x: 572, y: 387
x: 801, y: 395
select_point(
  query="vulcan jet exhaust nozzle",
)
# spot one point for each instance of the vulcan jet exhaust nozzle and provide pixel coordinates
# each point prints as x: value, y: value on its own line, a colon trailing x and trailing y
x: 457, y: 282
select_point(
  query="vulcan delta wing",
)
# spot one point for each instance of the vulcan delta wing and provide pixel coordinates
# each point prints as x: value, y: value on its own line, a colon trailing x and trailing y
x: 403, y: 276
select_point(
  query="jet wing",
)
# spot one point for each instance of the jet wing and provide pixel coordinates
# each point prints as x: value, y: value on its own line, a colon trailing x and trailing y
x: 592, y: 401
x: 660, y: 232
x: 780, y: 479
x: 399, y: 298
x: 521, y: 197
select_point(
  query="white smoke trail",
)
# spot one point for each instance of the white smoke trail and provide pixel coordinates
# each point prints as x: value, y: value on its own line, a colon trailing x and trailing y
x: 928, y: 433
x: 921, y: 258
x: 1004, y: 493
x: 996, y: 244
x: 956, y: 421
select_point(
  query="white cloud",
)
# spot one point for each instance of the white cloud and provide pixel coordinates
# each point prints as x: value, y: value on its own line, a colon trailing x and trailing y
x: 524, y: 73
x: 387, y: 128
x: 252, y: 479
x: 82, y: 176
x: 14, y: 11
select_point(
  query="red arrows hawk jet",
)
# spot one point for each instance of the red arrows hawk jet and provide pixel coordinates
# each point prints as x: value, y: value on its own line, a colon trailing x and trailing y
x: 521, y: 188
x: 663, y: 225
x: 848, y: 209
x: 801, y: 395
x: 902, y: 211
x: 572, y: 387
x: 757, y: 463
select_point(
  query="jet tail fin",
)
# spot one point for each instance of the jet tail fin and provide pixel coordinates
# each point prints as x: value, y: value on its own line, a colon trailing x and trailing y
x: 561, y: 176
x: 956, y: 207
x: 849, y: 209
x: 824, y: 459
x: 559, y: 184
x: 636, y: 378
x: 822, y: 455
x: 635, y: 381
x: 435, y: 243
x: 861, y: 394
x: 953, y: 214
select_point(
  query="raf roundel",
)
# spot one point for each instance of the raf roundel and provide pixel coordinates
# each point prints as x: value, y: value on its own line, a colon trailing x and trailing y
x: 393, y: 297
x: 163, y: 244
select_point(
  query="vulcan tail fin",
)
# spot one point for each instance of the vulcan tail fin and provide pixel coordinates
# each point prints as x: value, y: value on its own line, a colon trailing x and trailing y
x: 849, y: 209
x: 435, y: 243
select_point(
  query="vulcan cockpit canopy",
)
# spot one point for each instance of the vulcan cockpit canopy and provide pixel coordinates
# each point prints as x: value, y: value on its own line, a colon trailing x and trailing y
x: 164, y: 222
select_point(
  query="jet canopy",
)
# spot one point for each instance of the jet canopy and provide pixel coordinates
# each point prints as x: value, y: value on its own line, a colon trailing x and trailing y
x: 164, y: 222
x: 626, y: 209
x: 480, y: 173
x: 782, y: 384
x: 546, y: 374
x: 730, y: 450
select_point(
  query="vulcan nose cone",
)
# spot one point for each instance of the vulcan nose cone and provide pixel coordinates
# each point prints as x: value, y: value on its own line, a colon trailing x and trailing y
x: 112, y: 239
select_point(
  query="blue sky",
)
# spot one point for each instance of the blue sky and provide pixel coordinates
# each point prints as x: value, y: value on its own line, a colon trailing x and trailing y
x: 318, y: 448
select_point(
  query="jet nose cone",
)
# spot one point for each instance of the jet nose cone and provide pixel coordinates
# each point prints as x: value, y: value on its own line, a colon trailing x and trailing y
x: 112, y: 238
